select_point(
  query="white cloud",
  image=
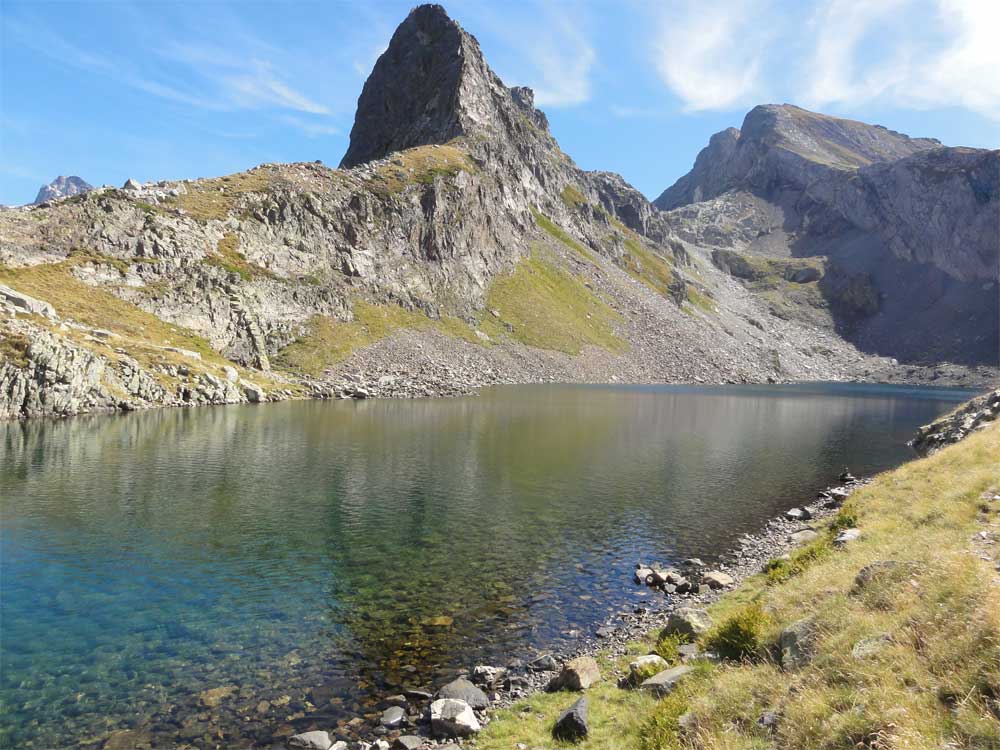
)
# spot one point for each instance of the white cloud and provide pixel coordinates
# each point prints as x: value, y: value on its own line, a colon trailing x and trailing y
x: 563, y: 62
x: 711, y: 56
x: 944, y: 54
x: 900, y: 53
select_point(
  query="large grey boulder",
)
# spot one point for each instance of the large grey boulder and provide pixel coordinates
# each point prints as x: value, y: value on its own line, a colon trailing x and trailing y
x: 463, y: 690
x: 26, y: 303
x: 451, y: 718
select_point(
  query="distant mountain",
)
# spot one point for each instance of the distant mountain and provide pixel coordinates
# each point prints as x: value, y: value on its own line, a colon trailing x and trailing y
x: 907, y: 229
x: 62, y: 187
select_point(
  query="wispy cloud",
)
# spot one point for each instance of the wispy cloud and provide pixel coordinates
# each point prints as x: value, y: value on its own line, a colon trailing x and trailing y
x: 931, y: 54
x: 200, y: 76
x: 909, y: 53
x: 711, y: 56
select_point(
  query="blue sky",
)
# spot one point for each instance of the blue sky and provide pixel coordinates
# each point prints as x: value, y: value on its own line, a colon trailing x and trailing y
x: 165, y: 90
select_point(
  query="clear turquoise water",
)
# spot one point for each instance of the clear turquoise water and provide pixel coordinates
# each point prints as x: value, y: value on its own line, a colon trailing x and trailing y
x: 326, y: 553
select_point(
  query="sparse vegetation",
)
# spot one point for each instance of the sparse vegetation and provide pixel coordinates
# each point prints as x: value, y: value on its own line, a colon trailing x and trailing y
x: 327, y: 342
x: 14, y: 349
x: 646, y: 266
x: 228, y: 257
x: 550, y: 308
x: 572, y: 197
x: 668, y: 646
x: 143, y: 334
x: 420, y: 165
x: 702, y: 301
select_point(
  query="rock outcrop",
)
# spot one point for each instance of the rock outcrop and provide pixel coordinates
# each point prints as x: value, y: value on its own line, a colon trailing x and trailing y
x: 62, y: 187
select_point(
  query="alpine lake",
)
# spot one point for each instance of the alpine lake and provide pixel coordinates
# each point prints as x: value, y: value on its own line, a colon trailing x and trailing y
x: 302, y: 560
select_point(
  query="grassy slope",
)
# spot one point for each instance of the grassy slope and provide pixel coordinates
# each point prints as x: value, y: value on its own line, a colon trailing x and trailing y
x: 934, y: 684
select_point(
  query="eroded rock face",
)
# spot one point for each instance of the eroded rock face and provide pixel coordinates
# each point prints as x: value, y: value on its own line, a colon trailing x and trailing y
x: 951, y: 428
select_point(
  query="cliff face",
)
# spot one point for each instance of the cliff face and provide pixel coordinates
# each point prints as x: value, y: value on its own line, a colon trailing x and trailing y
x: 457, y: 247
x: 907, y: 229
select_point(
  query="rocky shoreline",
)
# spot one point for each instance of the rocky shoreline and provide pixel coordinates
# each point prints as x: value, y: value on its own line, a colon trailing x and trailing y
x: 458, y: 711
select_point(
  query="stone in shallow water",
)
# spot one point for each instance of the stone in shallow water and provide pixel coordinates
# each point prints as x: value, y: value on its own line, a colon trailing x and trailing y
x: 571, y: 726
x: 463, y: 690
x: 393, y: 717
x: 213, y: 698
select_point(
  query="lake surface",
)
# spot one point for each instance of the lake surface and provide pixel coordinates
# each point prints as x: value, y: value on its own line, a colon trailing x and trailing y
x: 319, y: 555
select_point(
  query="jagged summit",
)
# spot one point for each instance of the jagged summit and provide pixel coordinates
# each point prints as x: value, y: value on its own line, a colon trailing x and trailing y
x: 62, y: 187
x: 787, y: 139
x: 432, y: 85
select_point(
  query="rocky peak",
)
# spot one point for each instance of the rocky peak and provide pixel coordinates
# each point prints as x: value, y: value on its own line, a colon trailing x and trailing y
x: 432, y: 85
x: 62, y: 187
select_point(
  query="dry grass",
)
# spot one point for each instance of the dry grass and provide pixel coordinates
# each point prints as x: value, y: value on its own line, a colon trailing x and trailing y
x: 935, y: 681
x: 215, y: 198
x: 420, y: 165
x: 141, y: 333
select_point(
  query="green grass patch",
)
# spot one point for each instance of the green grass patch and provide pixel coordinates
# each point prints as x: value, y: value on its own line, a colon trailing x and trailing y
x: 550, y: 308
x: 572, y: 197
x: 668, y: 646
x: 647, y: 267
x: 555, y: 231
x: 702, y: 301
x: 741, y: 635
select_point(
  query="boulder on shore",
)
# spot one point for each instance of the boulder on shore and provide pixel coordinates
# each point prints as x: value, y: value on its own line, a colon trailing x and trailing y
x: 451, y: 718
x: 687, y: 621
x: 463, y: 690
x: 311, y: 741
x: 663, y: 683
x: 571, y: 726
x: 576, y: 674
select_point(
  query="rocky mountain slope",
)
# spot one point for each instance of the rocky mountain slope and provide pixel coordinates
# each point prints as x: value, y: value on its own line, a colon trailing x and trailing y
x: 904, y: 233
x: 457, y: 246
x: 62, y: 187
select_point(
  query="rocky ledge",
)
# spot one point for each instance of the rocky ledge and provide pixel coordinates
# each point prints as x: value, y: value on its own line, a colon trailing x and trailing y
x: 951, y: 428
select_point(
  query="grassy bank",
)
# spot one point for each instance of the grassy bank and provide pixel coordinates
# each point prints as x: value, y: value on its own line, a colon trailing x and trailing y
x: 905, y: 657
